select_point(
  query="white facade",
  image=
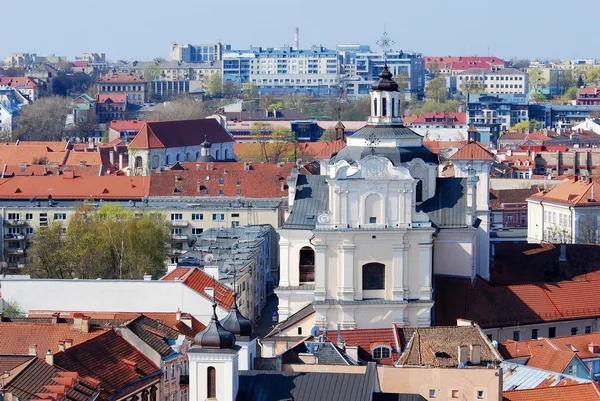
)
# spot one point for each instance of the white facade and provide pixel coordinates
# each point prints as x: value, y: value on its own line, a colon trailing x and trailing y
x: 555, y: 222
x: 506, y: 80
x: 108, y: 295
x: 225, y: 365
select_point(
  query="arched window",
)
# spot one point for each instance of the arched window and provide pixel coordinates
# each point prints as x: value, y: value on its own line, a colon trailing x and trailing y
x: 197, y: 155
x: 373, y: 209
x: 382, y: 352
x: 384, y: 107
x: 187, y: 157
x: 393, y: 107
x: 167, y: 160
x: 419, y: 191
x: 138, y: 162
x: 155, y: 161
x: 226, y: 156
x: 177, y: 157
x: 217, y: 154
x: 373, y: 276
x: 375, y: 112
x: 307, y: 265
x: 211, y: 382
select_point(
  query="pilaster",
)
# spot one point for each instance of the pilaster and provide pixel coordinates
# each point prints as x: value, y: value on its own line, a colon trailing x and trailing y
x: 320, y: 272
x: 425, y: 271
x: 346, y: 272
x: 399, y: 284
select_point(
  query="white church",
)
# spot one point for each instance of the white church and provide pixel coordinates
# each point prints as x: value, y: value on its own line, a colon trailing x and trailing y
x: 362, y: 242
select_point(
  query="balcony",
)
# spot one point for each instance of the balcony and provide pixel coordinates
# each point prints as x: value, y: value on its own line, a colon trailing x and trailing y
x: 179, y: 237
x: 179, y: 223
x: 14, y: 223
x: 15, y: 251
x: 14, y: 237
x: 307, y: 274
x: 178, y: 252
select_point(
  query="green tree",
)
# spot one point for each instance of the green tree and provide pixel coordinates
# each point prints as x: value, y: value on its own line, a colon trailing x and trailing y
x: 250, y: 90
x: 571, y: 93
x: 536, y: 79
x: 47, y: 257
x: 12, y: 309
x: 538, y: 97
x: 151, y: 72
x: 230, y: 89
x: 592, y: 75
x: 436, y: 90
x: 214, y: 85
x: 434, y: 69
x: 328, y: 135
x: 472, y: 86
x: 522, y: 126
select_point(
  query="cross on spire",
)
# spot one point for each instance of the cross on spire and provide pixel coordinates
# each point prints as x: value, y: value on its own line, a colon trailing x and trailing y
x: 386, y: 44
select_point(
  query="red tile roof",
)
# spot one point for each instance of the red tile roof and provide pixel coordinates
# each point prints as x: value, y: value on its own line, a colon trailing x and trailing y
x: 579, y: 344
x: 111, y: 98
x: 18, y: 82
x: 365, y: 339
x: 500, y: 197
x: 121, y: 77
x: 589, y: 90
x: 172, y: 134
x: 259, y: 183
x: 127, y: 125
x: 573, y: 192
x: 472, y: 151
x: 76, y: 158
x: 199, y: 281
x: 16, y: 337
x: 587, y: 391
x: 52, y: 145
x: 108, y: 359
x: 86, y: 187
x: 521, y: 304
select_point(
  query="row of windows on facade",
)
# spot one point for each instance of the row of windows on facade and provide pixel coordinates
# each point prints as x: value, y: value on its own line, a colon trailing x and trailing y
x: 139, y: 161
x: 291, y: 81
x: 535, y: 333
x: 29, y: 216
x: 121, y: 88
x: 200, y: 216
x: 433, y: 393
x: 491, y: 78
x: 562, y: 220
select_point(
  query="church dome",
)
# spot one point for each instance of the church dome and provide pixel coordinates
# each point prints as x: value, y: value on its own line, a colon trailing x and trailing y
x: 385, y: 82
x: 237, y: 323
x: 215, y: 335
x: 206, y: 144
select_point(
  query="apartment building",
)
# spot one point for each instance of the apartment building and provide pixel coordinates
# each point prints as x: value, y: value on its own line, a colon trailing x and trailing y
x: 124, y: 83
x: 27, y: 86
x: 496, y: 112
x: 503, y: 81
x: 203, y: 53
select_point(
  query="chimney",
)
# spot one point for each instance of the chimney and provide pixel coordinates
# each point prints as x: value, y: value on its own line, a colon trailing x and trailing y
x: 296, y: 38
x: 563, y: 253
x: 120, y: 161
x: 475, y: 354
x: 32, y: 350
x: 352, y: 352
x: 111, y: 157
x: 49, y: 358
x: 55, y: 317
x: 85, y: 324
x: 283, y: 185
x: 594, y: 348
x: 23, y: 164
x: 463, y: 354
x: 77, y: 320
x: 91, y: 144
x: 83, y: 163
x: 68, y: 343
x: 178, y: 315
x: 147, y: 277
x: 61, y: 346
x: 186, y: 319
x: 210, y: 292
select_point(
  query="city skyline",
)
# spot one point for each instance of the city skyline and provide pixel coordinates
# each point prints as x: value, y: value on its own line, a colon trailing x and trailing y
x: 434, y: 28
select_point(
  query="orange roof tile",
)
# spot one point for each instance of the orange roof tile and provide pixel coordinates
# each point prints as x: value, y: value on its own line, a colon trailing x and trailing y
x: 121, y: 76
x: 586, y: 391
x: 16, y: 337
x: 17, y: 82
x: 472, y: 151
x: 199, y: 281
x: 52, y: 145
x: 91, y: 158
x: 573, y: 192
x: 127, y: 125
x: 97, y: 187
x: 112, y: 97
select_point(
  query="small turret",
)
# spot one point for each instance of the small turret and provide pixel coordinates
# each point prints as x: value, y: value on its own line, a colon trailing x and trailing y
x: 215, y: 336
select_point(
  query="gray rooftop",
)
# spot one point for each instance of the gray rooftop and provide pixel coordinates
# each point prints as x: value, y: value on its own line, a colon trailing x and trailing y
x: 306, y: 386
x: 311, y: 200
x: 520, y: 377
x: 448, y: 207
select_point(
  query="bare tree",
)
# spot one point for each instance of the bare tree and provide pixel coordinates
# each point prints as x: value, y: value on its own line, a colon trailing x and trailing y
x: 587, y: 229
x: 179, y: 109
x: 44, y: 120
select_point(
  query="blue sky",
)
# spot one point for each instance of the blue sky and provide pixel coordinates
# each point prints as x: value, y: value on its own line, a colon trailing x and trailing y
x: 133, y: 29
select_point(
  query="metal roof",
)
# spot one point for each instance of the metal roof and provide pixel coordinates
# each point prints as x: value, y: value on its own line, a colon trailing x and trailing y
x: 310, y: 200
x: 520, y: 377
x: 448, y: 207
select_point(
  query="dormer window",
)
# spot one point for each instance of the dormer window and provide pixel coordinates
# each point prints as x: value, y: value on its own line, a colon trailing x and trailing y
x: 382, y: 352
